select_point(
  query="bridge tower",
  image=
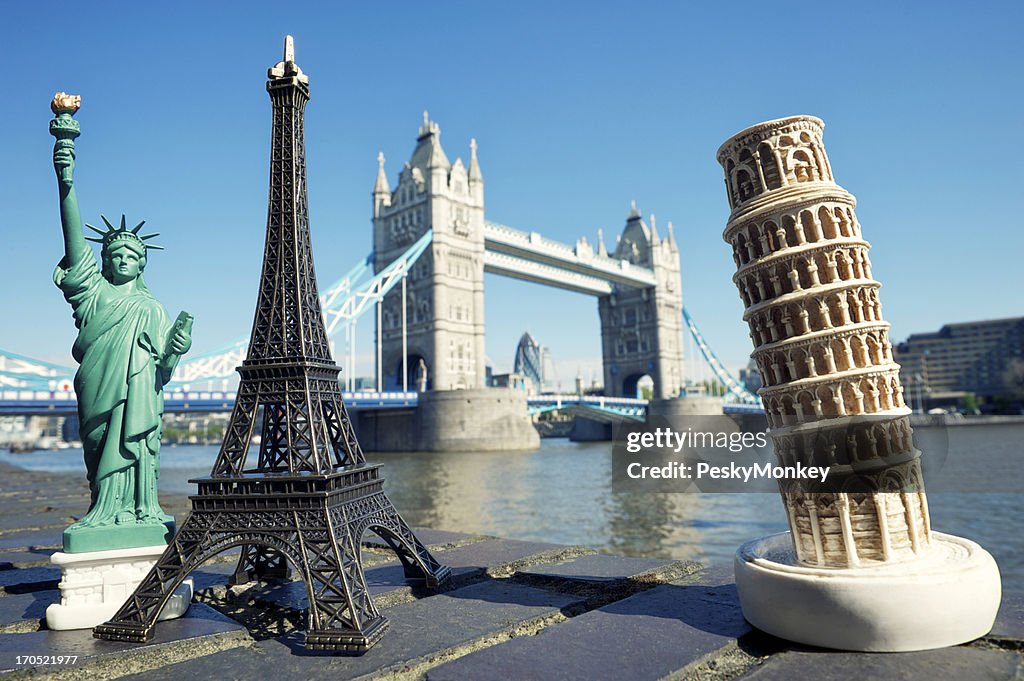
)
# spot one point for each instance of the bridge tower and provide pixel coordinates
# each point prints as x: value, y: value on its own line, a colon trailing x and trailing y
x: 642, y: 329
x: 445, y: 288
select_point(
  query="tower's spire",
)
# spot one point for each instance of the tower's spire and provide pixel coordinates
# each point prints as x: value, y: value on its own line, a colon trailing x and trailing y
x: 288, y: 325
x: 474, y: 166
x: 429, y: 127
x: 381, y: 187
x: 633, y: 212
x: 601, y: 250
x: 286, y: 68
x: 671, y: 235
x: 428, y: 153
x: 655, y: 239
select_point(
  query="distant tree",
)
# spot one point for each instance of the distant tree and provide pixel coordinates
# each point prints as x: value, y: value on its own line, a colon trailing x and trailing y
x: 1013, y: 378
x: 969, y: 403
x: 713, y: 388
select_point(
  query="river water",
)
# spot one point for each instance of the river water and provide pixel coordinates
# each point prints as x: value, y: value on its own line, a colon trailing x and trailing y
x: 562, y: 494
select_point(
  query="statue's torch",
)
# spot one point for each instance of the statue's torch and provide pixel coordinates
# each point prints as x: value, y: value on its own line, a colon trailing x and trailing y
x: 65, y: 129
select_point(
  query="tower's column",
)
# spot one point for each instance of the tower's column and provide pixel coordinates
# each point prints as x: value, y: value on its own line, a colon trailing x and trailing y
x: 833, y: 400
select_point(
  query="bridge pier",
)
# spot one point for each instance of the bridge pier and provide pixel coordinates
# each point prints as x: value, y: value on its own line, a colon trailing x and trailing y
x: 691, y: 405
x: 477, y: 420
x: 589, y: 430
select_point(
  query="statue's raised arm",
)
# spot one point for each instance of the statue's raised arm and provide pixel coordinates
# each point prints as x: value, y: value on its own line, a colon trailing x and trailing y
x: 66, y: 129
x: 127, y: 348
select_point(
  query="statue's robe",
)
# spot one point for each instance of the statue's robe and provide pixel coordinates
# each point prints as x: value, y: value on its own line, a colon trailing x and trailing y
x: 121, y: 339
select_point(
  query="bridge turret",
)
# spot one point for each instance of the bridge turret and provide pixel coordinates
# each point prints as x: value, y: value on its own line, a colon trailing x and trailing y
x: 445, y: 301
x: 475, y: 176
x: 381, y: 189
x: 429, y: 157
x: 641, y: 329
x: 634, y: 244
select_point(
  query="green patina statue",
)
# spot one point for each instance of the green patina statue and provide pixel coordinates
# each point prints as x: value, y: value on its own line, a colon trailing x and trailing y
x: 126, y: 348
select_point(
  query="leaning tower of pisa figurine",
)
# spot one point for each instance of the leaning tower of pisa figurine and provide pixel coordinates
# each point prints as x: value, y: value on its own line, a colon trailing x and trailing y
x: 861, y: 568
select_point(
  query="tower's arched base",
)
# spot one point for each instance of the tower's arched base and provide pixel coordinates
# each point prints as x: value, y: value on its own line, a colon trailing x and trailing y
x: 947, y: 597
x: 314, y: 522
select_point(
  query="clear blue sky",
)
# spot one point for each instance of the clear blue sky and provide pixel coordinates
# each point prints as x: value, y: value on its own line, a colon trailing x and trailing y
x: 578, y: 109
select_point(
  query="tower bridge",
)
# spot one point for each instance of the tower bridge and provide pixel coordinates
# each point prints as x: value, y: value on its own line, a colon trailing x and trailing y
x: 637, y: 286
x: 424, y: 279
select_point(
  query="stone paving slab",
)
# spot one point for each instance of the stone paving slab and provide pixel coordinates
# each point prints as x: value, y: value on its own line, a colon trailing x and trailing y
x: 498, y: 554
x: 74, y: 503
x: 10, y: 560
x: 37, y: 517
x: 379, y: 581
x: 420, y: 631
x: 428, y: 536
x: 1009, y: 623
x: 598, y: 568
x: 27, y: 607
x: 945, y: 664
x: 465, y: 562
x: 212, y: 575
x: 646, y: 636
x: 200, y: 623
x: 21, y: 480
x: 21, y: 540
x: 29, y: 579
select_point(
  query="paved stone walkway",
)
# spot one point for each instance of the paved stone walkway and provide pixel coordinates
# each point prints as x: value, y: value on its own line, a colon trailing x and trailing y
x: 513, y: 610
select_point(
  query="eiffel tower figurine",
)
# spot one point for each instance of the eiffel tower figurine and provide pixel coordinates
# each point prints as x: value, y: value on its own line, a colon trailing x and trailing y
x: 312, y: 495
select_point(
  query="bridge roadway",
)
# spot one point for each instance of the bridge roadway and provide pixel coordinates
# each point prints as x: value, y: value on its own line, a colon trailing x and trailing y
x: 28, y: 403
x: 534, y: 258
x: 527, y: 256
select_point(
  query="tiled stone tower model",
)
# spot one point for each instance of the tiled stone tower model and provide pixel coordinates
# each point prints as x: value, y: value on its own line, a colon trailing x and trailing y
x: 823, y: 349
x: 445, y: 304
x: 861, y: 568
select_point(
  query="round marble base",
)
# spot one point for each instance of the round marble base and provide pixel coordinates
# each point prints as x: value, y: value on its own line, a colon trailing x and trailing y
x: 95, y: 584
x: 944, y: 598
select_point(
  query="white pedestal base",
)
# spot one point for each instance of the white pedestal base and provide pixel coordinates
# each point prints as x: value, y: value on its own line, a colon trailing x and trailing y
x: 95, y: 584
x: 945, y: 598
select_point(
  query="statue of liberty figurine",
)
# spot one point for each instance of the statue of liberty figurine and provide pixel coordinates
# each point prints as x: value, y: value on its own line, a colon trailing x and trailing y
x: 127, y: 348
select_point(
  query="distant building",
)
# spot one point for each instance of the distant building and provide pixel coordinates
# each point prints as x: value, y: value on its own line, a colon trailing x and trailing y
x: 513, y: 380
x: 970, y: 357
x: 533, y: 361
x: 751, y: 377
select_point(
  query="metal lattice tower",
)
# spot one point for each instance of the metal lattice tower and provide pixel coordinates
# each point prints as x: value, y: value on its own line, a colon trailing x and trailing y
x: 311, y: 495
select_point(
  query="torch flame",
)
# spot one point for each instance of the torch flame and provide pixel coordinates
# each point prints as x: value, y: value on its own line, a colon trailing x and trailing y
x: 65, y: 103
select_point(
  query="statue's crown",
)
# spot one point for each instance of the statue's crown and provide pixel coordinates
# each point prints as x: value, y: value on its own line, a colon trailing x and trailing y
x: 122, y: 235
